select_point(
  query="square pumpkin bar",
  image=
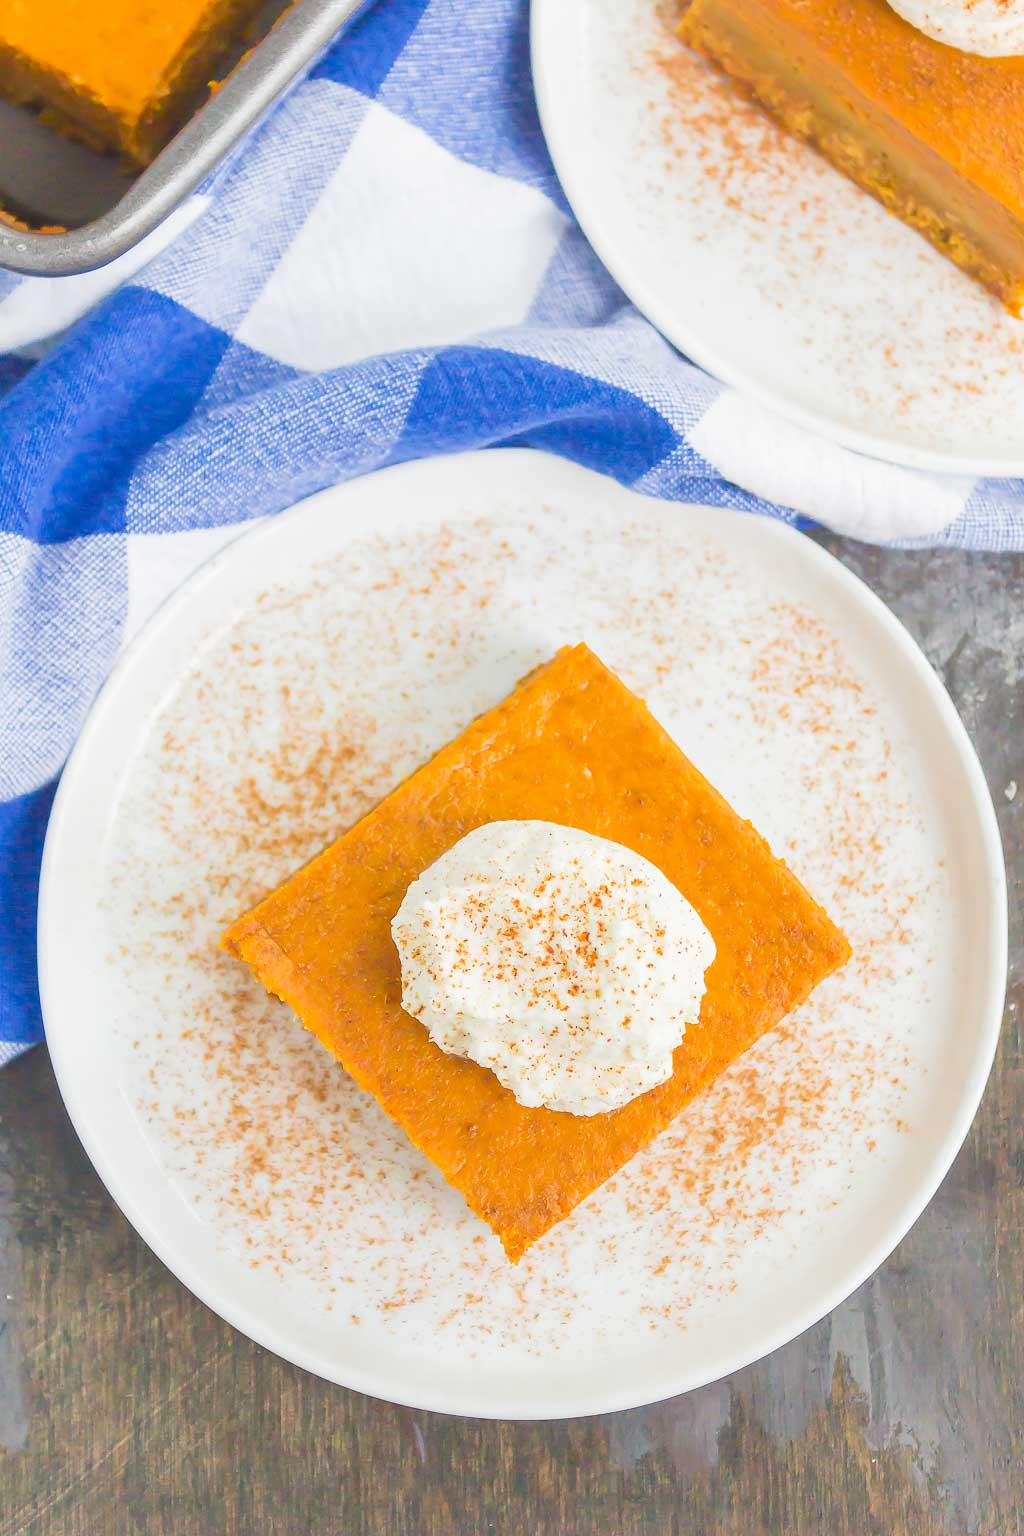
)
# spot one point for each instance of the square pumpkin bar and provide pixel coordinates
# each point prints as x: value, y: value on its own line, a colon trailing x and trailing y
x: 934, y: 133
x: 570, y: 745
x: 116, y: 73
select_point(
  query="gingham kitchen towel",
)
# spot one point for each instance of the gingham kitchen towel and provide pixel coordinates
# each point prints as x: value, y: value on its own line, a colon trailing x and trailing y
x: 388, y: 269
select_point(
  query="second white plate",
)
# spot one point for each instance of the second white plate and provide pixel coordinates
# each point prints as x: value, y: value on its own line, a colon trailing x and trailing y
x: 762, y: 263
x: 308, y: 669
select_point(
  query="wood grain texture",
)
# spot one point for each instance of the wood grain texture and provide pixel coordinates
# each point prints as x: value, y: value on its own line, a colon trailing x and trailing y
x: 126, y: 1406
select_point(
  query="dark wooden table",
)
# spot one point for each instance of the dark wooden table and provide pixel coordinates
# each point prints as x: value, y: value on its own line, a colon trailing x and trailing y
x: 126, y: 1406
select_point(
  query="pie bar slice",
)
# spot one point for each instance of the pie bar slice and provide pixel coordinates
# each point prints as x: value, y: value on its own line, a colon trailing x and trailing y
x: 935, y: 134
x: 574, y: 746
x: 116, y: 73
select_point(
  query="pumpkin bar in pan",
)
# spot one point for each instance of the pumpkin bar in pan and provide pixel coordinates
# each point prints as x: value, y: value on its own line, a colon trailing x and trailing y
x: 118, y: 74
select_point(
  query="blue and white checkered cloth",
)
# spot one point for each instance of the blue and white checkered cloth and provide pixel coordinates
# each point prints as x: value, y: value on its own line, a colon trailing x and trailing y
x: 389, y: 269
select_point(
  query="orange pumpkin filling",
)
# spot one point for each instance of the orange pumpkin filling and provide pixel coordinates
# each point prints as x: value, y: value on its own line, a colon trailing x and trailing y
x: 574, y: 746
x: 935, y: 134
x: 117, y: 73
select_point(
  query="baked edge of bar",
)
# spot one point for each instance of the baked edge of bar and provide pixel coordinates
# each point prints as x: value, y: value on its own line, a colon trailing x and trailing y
x: 842, y: 150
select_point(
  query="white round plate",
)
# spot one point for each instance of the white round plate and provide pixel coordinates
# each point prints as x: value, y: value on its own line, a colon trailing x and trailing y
x: 292, y: 682
x: 762, y: 263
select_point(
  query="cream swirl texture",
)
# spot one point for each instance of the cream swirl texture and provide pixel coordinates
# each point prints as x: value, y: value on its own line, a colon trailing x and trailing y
x: 992, y: 28
x: 568, y: 965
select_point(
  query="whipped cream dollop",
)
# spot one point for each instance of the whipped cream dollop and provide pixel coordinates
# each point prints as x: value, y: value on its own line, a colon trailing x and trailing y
x: 567, y: 964
x: 988, y: 27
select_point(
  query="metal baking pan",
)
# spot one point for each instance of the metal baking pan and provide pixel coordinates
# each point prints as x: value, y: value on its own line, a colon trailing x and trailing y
x: 104, y: 210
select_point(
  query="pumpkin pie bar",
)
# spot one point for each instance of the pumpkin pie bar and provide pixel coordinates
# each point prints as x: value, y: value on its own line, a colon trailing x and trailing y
x: 935, y: 134
x: 570, y: 745
x: 116, y: 73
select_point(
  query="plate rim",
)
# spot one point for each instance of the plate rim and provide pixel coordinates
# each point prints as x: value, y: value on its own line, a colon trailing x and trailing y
x: 247, y: 1320
x: 549, y: 81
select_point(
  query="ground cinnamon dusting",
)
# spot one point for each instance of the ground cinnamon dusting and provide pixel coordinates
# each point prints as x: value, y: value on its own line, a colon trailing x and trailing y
x: 859, y: 296
x: 300, y: 715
